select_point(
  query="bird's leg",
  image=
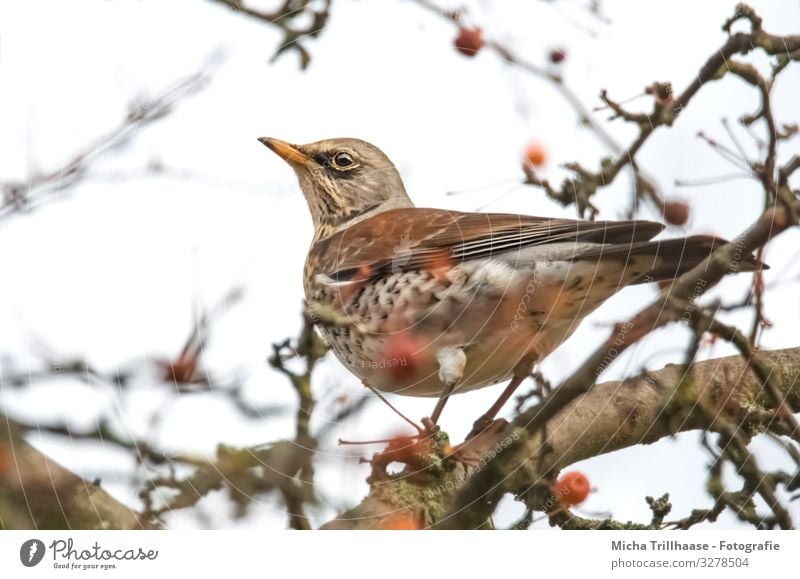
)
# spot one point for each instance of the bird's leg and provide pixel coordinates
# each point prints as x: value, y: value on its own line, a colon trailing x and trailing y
x: 452, y: 361
x: 521, y: 371
x: 437, y: 410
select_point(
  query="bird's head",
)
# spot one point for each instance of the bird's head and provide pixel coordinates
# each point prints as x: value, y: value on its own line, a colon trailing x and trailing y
x: 343, y: 180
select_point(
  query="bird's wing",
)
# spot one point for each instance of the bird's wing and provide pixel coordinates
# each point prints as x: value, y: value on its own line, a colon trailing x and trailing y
x: 417, y: 238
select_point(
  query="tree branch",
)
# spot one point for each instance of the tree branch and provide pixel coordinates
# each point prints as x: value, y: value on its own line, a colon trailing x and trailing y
x: 38, y: 493
x: 284, y: 18
x: 611, y: 416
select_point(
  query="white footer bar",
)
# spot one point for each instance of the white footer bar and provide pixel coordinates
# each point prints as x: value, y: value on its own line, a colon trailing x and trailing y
x: 389, y: 554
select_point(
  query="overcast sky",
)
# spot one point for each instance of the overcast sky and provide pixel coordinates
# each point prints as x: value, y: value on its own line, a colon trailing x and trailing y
x: 112, y: 270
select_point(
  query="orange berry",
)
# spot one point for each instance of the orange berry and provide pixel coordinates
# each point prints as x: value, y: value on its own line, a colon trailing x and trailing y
x: 536, y: 154
x: 399, y: 523
x: 469, y: 41
x: 676, y: 212
x: 409, y: 450
x: 572, y: 488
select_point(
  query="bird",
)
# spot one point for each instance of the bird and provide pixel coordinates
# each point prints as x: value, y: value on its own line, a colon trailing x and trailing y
x: 430, y: 302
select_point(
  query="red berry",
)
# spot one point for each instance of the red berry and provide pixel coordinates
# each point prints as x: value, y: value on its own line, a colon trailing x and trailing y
x: 676, y: 212
x: 572, y: 488
x: 184, y: 370
x: 469, y: 41
x: 558, y: 55
x: 536, y: 154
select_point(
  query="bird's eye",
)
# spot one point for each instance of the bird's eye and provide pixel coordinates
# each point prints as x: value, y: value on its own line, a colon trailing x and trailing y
x: 343, y: 160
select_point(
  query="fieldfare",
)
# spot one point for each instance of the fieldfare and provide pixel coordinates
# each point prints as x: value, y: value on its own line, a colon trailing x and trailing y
x: 427, y: 302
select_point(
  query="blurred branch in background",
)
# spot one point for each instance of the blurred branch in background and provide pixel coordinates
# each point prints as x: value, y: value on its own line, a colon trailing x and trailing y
x: 667, y: 107
x: 284, y: 466
x: 24, y: 197
x: 289, y: 18
x: 181, y: 375
x: 176, y: 480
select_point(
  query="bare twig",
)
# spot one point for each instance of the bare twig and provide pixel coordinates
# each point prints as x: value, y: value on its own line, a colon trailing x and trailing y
x: 25, y: 196
x: 285, y: 18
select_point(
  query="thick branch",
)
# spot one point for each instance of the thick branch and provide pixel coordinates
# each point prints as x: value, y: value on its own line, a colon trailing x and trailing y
x: 38, y: 493
x: 611, y: 416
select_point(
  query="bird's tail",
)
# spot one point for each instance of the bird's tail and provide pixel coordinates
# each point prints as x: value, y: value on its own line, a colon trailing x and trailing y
x: 673, y: 257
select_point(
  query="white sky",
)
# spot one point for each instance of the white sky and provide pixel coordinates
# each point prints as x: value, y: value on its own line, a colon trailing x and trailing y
x: 112, y: 270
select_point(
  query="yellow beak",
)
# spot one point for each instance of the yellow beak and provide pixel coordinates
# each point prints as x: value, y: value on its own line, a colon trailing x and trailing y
x: 289, y: 153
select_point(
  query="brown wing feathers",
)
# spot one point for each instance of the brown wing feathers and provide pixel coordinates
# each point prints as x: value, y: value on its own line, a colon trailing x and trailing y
x: 398, y: 239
